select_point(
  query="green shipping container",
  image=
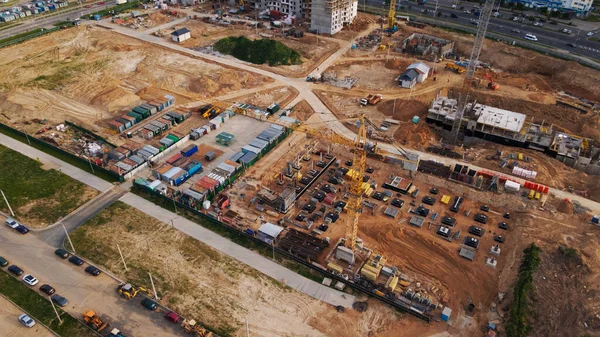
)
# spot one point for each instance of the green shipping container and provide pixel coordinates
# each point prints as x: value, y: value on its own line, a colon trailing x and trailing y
x: 138, y: 117
x: 173, y: 138
x: 142, y: 111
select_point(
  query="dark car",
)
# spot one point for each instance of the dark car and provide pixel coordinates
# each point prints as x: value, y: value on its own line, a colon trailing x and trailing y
x: 485, y: 208
x: 471, y: 242
x: 370, y: 170
x: 481, y: 218
x: 456, y: 204
x: 572, y: 45
x: 434, y: 191
x: 76, y: 260
x: 476, y: 230
x: 377, y: 196
x: 428, y: 200
x: 62, y: 253
x: 59, y: 300
x: 22, y: 229
x: 149, y: 304
x: 503, y: 225
x: 339, y: 204
x: 173, y: 317
x: 3, y: 262
x: 398, y: 203
x: 92, y: 270
x: 454, y: 16
x: 15, y: 270
x: 499, y: 238
x: 46, y: 288
x: 349, y: 163
x: 328, y: 189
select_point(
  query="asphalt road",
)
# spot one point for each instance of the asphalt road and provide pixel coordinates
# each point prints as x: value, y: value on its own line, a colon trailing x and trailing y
x: 10, y: 326
x: 48, y: 22
x: 548, y: 34
x: 83, y: 290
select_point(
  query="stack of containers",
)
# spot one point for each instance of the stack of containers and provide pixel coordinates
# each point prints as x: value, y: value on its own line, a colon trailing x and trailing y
x: 168, y: 176
x: 150, y: 108
x: 162, y: 169
x: 139, y: 160
x: 179, y: 177
x: 259, y: 143
x: 151, y: 149
x: 215, y: 123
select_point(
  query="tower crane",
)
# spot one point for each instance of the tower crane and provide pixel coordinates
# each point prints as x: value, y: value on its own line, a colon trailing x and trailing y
x: 484, y: 20
x: 392, y: 15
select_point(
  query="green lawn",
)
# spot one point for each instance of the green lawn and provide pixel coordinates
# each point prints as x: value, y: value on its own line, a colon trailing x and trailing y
x: 41, y: 309
x: 592, y: 18
x: 35, y: 193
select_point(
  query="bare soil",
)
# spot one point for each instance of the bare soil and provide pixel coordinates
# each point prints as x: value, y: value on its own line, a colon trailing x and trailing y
x: 264, y: 98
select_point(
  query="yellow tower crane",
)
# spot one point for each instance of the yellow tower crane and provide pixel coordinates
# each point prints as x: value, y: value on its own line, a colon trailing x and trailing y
x: 392, y: 14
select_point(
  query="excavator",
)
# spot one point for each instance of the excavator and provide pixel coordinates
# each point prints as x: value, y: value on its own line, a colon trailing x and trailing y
x: 192, y: 327
x: 129, y: 291
x: 491, y: 84
x: 94, y: 321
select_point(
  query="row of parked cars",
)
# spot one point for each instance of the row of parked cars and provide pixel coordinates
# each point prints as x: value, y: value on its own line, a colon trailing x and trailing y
x: 14, y: 224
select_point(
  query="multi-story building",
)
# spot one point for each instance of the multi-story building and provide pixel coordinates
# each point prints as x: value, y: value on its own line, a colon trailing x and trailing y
x: 579, y: 7
x: 330, y: 16
x: 294, y: 8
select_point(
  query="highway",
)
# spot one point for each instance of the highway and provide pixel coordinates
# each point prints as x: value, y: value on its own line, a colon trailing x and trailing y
x: 49, y: 21
x: 548, y: 34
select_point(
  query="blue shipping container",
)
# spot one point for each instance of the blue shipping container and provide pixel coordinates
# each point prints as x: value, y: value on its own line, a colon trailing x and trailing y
x: 193, y: 168
x: 190, y: 150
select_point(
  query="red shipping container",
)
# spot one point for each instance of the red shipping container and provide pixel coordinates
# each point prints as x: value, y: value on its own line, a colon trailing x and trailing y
x: 546, y: 190
x: 174, y: 158
x: 541, y: 188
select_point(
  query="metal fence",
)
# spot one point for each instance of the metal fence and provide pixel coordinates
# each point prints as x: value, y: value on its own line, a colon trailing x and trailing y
x: 25, y: 138
x: 28, y: 37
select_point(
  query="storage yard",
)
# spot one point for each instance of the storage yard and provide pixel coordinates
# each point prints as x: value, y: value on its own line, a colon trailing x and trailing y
x: 439, y: 241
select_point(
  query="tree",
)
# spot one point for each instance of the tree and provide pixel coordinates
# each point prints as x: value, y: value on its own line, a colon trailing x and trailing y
x: 544, y: 10
x: 439, y: 14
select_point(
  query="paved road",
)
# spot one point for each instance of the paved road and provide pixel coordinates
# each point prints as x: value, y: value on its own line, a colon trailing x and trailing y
x: 255, y: 260
x: 10, y: 326
x: 55, y: 234
x: 48, y: 22
x: 83, y: 291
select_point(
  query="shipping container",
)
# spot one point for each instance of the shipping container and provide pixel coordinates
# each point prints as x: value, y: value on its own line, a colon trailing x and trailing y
x: 123, y: 151
x: 193, y: 167
x: 159, y: 171
x: 151, y: 149
x: 273, y: 108
x: 237, y: 156
x: 167, y: 176
x: 144, y: 154
x: 162, y: 125
x: 125, y: 167
x: 189, y: 150
x: 247, y: 158
x: 153, y: 185
x: 199, y: 197
x: 176, y: 116
x: 249, y: 148
x: 139, y: 160
x: 179, y: 178
x: 173, y: 138
x: 170, y: 100
x: 259, y: 143
x: 114, y: 125
x: 142, y: 111
x: 125, y: 122
x: 209, y: 156
x: 130, y: 119
x: 226, y: 167
x: 115, y: 155
x: 166, y: 142
x: 130, y: 162
x: 174, y: 158
x: 150, y: 108
x: 138, y: 117
x: 194, y: 135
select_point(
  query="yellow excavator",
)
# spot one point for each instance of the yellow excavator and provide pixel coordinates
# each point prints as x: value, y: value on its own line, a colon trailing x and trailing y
x: 94, y: 321
x: 191, y: 326
x: 129, y: 291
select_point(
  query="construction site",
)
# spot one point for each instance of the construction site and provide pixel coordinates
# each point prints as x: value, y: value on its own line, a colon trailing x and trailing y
x: 423, y: 199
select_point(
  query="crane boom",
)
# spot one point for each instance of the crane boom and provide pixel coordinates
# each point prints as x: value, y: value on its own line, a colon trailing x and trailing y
x: 484, y: 16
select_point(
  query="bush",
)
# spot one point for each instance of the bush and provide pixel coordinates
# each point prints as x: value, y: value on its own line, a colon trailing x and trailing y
x: 258, y: 51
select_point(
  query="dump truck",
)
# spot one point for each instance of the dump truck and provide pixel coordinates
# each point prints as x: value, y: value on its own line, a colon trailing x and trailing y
x: 371, y: 99
x: 190, y: 326
x: 91, y: 319
x: 129, y: 291
x: 455, y: 67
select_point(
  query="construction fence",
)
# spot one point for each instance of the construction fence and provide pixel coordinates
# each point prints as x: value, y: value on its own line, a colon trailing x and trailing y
x: 28, y: 37
x: 84, y: 163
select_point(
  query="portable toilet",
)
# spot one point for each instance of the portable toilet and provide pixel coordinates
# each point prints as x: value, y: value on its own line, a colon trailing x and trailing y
x: 415, y: 119
x: 446, y: 314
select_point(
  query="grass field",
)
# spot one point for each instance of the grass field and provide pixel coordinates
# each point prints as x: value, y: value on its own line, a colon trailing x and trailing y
x: 37, y: 195
x: 41, y: 309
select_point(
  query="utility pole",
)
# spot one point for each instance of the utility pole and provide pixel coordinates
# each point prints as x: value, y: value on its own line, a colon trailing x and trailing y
x: 436, y: 8
x: 68, y: 238
x: 9, y: 208
x: 273, y: 247
x: 55, y: 311
x: 247, y: 333
x: 153, y: 288
x: 174, y: 205
x: 89, y: 161
x: 122, y: 259
x: 28, y: 141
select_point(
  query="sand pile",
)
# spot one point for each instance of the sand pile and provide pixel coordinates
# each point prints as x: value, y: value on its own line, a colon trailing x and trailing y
x: 565, y: 206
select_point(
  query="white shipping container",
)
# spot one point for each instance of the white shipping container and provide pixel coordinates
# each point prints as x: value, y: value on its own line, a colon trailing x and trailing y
x: 511, y: 186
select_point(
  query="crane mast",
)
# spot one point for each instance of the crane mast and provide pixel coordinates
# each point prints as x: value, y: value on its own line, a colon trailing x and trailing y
x: 392, y: 14
x: 485, y: 15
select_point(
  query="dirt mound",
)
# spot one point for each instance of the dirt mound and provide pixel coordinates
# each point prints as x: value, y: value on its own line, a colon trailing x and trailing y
x: 565, y: 206
x: 115, y: 99
x: 396, y: 64
x: 415, y: 135
x: 405, y: 109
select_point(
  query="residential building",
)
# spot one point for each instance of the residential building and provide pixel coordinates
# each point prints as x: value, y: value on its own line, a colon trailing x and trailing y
x: 579, y: 7
x: 295, y: 8
x: 426, y: 45
x: 330, y: 16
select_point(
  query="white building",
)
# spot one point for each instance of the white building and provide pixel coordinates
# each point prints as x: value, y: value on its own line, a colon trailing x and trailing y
x: 330, y: 16
x: 295, y: 8
x: 269, y: 232
x: 181, y: 35
x: 422, y: 69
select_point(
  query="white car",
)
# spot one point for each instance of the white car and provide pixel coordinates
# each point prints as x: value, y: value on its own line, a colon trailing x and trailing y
x: 12, y: 223
x: 30, y: 279
x: 590, y: 33
x: 531, y: 37
x: 454, y: 6
x: 26, y: 320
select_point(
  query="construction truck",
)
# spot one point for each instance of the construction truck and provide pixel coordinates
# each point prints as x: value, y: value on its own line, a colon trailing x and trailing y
x: 210, y: 112
x: 192, y: 327
x: 91, y: 319
x: 455, y: 67
x: 129, y: 291
x: 371, y: 99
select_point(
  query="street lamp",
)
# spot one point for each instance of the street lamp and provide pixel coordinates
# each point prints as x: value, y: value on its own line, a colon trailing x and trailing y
x: 7, y: 204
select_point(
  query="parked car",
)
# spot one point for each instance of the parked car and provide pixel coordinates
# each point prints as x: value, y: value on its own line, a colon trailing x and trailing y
x: 59, y: 300
x: 12, y: 223
x: 516, y: 31
x: 15, y: 270
x: 454, y: 16
x: 3, y: 262
x: 62, y: 253
x: 572, y: 45
x: 22, y: 229
x: 149, y: 304
x: 76, y: 260
x: 48, y: 289
x: 92, y: 270
x: 566, y: 31
x: 30, y: 280
x: 173, y: 317
x: 590, y: 33
x: 26, y: 320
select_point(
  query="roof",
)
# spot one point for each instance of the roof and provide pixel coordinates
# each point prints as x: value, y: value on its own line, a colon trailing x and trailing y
x: 420, y: 67
x: 500, y: 118
x: 180, y: 31
x: 467, y: 252
x: 409, y: 75
x: 270, y: 229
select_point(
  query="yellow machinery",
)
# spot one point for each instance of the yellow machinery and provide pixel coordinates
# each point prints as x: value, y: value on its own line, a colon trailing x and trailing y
x: 192, y: 327
x: 455, y: 67
x: 129, y: 291
x: 392, y: 15
x: 94, y: 321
